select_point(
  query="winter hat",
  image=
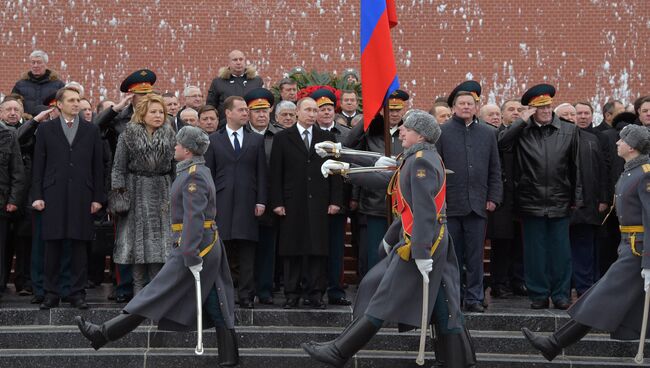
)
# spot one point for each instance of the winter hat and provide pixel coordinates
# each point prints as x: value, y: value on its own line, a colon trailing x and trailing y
x: 423, y: 123
x: 194, y: 139
x: 637, y: 137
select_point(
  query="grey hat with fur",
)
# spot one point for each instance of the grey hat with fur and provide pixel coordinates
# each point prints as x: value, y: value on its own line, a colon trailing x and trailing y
x: 637, y: 137
x: 194, y: 139
x: 423, y: 123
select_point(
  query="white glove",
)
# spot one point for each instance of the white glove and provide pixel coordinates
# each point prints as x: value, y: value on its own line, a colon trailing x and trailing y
x: 425, y: 266
x: 386, y: 161
x: 387, y: 246
x: 645, y: 273
x: 328, y: 148
x: 196, y: 268
x: 329, y: 166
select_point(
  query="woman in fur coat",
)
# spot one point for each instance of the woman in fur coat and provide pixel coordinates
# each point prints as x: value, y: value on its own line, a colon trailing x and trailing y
x: 143, y: 169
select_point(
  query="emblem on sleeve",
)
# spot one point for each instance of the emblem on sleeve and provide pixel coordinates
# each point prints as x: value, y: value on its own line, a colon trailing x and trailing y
x: 421, y: 173
x: 191, y: 188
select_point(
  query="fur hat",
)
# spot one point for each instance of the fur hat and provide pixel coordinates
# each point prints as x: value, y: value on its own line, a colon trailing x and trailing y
x: 637, y: 137
x: 194, y: 139
x: 423, y: 123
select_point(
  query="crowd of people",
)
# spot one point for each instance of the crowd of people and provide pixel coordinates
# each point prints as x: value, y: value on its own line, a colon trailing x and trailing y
x: 536, y: 181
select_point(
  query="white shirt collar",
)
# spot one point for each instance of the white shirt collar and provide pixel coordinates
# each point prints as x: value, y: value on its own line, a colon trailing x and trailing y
x: 301, y: 130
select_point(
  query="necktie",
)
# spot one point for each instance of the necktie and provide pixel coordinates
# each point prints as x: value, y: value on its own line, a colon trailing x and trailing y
x: 69, y: 123
x: 306, y: 138
x: 236, y: 143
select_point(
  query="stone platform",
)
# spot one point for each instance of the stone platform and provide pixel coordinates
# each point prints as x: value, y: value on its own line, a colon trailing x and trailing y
x: 270, y: 337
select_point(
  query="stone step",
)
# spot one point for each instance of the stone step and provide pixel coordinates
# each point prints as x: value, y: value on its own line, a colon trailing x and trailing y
x: 334, y: 316
x: 256, y: 337
x: 268, y: 358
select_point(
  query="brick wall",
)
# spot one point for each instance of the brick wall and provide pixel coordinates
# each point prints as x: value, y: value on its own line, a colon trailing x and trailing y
x: 589, y: 49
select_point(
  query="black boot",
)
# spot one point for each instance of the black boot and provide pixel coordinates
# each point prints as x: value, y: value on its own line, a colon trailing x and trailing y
x: 458, y: 350
x: 337, y: 352
x: 227, y: 345
x: 570, y: 333
x: 110, y: 330
x: 438, y: 348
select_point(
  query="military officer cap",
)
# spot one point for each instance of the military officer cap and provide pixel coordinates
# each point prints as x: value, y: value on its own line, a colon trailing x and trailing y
x: 423, y: 123
x: 259, y: 98
x: 141, y: 82
x: 637, y: 137
x: 351, y: 72
x: 323, y: 97
x: 470, y: 86
x: 397, y: 100
x: 539, y: 95
x: 193, y: 139
x: 50, y: 100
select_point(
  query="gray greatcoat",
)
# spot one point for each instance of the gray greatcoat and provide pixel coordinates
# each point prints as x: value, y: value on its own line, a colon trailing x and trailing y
x: 143, y: 166
x: 170, y: 298
x: 615, y: 303
x: 392, y: 290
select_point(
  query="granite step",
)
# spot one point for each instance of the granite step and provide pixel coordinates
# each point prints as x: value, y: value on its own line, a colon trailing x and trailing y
x: 284, y: 337
x: 268, y: 358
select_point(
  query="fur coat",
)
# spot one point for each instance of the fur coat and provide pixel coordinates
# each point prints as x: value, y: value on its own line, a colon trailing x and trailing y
x: 144, y: 167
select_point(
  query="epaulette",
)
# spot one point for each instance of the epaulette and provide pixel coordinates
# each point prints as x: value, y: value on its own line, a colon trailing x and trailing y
x: 192, y: 169
x: 419, y: 154
x: 646, y: 168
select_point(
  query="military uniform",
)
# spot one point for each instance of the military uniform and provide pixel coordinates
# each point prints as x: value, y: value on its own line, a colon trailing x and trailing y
x: 620, y: 292
x: 170, y: 297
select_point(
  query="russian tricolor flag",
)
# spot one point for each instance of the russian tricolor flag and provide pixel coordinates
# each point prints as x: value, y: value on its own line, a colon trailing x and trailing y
x: 378, y: 70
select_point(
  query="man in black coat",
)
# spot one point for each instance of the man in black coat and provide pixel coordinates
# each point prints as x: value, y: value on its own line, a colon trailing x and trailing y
x: 68, y: 187
x: 585, y: 221
x: 38, y: 83
x: 238, y: 165
x: 469, y: 149
x: 547, y: 186
x: 303, y: 199
x: 234, y: 80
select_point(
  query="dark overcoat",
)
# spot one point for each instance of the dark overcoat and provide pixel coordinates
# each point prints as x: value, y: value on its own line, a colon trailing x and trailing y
x: 68, y: 178
x: 298, y: 185
x: 170, y: 298
x: 615, y: 303
x: 240, y: 182
x: 392, y: 289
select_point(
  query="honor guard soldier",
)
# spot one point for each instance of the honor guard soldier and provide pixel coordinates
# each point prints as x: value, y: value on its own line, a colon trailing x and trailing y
x: 169, y: 299
x: 417, y: 246
x: 620, y: 292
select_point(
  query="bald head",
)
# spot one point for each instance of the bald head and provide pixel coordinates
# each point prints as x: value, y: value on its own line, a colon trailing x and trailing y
x: 491, y: 114
x: 236, y: 62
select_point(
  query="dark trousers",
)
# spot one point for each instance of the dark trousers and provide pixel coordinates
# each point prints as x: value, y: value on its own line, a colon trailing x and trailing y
x: 123, y: 280
x: 547, y: 257
x: 506, y: 260
x: 265, y: 262
x: 310, y: 269
x: 241, y: 258
x: 4, y: 273
x: 19, y: 242
x: 608, y: 239
x: 371, y: 232
x: 78, y: 266
x: 212, y: 308
x: 335, y: 257
x: 584, y: 257
x: 38, y: 262
x: 468, y: 234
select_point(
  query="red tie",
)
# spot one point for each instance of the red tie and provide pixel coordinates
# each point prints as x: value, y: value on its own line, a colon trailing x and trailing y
x: 69, y: 123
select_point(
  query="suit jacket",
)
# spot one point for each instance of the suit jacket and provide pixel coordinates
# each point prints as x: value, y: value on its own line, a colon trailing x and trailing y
x: 68, y: 177
x: 298, y: 185
x: 240, y: 182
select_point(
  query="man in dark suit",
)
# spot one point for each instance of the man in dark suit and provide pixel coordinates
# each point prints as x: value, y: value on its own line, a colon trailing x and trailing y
x: 238, y: 165
x: 303, y: 199
x: 67, y: 186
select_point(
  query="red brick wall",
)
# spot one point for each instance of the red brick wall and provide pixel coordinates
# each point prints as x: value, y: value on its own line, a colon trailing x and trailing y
x: 589, y: 49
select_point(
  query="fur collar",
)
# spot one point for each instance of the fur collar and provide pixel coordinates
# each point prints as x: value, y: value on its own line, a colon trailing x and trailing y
x: 150, y: 153
x: 53, y: 76
x: 250, y: 72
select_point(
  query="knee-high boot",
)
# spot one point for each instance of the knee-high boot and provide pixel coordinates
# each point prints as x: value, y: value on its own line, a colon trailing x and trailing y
x: 227, y: 346
x: 336, y: 353
x: 438, y: 347
x: 109, y: 331
x: 458, y: 350
x: 570, y: 333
